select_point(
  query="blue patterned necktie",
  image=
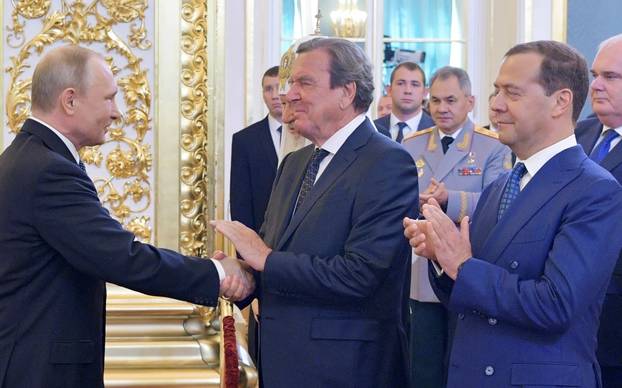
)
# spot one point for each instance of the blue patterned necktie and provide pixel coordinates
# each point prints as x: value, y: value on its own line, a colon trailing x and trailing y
x: 309, y: 179
x: 82, y: 166
x: 400, y: 131
x: 599, y: 152
x: 280, y: 131
x: 511, y: 189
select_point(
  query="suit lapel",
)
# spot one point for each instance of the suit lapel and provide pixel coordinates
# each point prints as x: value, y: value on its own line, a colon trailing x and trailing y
x: 550, y: 179
x: 613, y: 158
x: 588, y: 138
x: 337, y: 166
x: 266, y: 142
x: 425, y: 122
x: 456, y: 152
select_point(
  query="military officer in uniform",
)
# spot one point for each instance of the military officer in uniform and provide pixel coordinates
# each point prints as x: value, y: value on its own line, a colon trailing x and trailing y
x: 455, y: 162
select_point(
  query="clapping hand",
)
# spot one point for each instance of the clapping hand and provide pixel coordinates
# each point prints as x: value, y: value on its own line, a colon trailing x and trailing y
x: 248, y: 243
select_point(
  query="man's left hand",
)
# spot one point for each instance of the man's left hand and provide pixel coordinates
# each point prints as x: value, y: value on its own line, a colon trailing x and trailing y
x: 436, y: 190
x: 452, y: 247
x: 247, y: 243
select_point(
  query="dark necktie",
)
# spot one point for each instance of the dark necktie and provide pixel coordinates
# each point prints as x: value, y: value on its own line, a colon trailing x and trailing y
x: 82, y: 166
x: 309, y: 179
x: 599, y: 152
x: 280, y: 131
x: 511, y: 189
x: 400, y: 131
x: 446, y: 141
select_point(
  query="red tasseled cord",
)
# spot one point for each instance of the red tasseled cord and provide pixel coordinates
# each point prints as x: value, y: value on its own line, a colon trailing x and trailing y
x: 232, y: 373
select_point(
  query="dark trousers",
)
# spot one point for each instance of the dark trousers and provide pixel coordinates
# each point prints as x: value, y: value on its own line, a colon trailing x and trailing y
x: 612, y: 376
x: 428, y: 344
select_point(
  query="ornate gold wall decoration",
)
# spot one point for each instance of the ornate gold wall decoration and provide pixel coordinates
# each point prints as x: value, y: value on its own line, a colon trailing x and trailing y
x: 126, y: 155
x: 195, y: 149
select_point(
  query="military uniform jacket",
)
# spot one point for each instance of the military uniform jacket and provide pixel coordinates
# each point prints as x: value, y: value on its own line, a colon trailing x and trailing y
x: 474, y: 160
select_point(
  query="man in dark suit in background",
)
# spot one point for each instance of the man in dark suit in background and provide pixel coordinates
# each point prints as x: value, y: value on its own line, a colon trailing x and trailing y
x: 600, y: 138
x: 333, y: 264
x: 254, y: 156
x: 407, y: 91
x: 529, y: 277
x: 58, y: 245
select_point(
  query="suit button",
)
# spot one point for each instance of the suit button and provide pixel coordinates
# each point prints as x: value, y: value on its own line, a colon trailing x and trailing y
x: 489, y: 371
x: 460, y: 316
x: 492, y: 321
x: 514, y: 264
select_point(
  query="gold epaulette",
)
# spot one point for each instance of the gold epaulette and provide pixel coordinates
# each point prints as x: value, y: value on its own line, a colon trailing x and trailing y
x: 486, y: 132
x: 417, y: 133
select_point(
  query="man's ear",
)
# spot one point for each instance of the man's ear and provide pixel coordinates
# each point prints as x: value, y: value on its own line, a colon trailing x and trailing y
x: 562, y: 102
x: 68, y: 101
x: 349, y: 92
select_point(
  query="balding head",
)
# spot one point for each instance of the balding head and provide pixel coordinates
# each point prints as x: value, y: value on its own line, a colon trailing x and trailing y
x: 62, y: 68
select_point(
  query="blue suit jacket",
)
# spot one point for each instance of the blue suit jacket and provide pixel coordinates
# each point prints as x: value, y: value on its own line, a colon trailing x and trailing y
x: 335, y: 288
x: 383, y: 124
x: 529, y: 299
x: 58, y: 246
x: 610, y: 333
x: 253, y: 167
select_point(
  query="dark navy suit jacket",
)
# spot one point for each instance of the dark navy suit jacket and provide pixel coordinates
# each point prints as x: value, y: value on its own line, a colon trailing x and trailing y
x: 335, y: 287
x: 529, y: 300
x: 610, y: 333
x: 383, y: 124
x: 58, y: 247
x: 253, y: 167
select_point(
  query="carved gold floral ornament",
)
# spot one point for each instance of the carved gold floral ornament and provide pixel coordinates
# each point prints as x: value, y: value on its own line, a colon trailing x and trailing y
x: 127, y: 191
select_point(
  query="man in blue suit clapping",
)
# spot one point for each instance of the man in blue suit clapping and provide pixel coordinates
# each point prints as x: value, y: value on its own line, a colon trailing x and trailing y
x: 528, y: 277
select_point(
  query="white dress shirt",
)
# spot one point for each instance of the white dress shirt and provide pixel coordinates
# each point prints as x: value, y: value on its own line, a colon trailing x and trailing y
x: 534, y: 163
x: 334, y: 143
x: 274, y: 124
x: 614, y: 142
x: 411, y: 124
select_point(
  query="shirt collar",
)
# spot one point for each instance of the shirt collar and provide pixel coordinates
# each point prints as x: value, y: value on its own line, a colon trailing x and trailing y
x: 273, y: 123
x: 455, y: 135
x: 68, y: 143
x: 334, y: 143
x: 412, y: 123
x: 605, y: 128
x: 535, y: 162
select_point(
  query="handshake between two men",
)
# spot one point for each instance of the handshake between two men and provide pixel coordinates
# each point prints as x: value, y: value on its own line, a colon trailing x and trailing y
x: 239, y: 282
x: 435, y: 238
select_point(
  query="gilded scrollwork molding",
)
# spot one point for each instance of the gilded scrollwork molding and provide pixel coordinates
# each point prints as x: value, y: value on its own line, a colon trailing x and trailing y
x: 194, y: 176
x: 126, y: 188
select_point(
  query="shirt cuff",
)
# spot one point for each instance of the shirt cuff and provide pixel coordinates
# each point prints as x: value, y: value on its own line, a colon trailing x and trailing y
x: 220, y: 269
x: 439, y: 271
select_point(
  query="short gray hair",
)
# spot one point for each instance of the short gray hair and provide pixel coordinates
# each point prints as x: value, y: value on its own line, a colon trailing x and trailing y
x: 448, y: 71
x: 62, y: 68
x: 348, y: 64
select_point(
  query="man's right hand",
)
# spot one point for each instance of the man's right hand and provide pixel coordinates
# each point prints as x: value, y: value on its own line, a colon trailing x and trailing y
x: 415, y: 231
x: 239, y: 282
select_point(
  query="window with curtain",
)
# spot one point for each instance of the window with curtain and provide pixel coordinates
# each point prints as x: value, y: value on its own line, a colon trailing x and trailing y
x: 411, y: 27
x: 429, y: 31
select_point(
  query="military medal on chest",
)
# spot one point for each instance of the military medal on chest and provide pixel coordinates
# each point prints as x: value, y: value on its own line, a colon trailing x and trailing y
x: 471, y: 167
x: 420, y: 167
